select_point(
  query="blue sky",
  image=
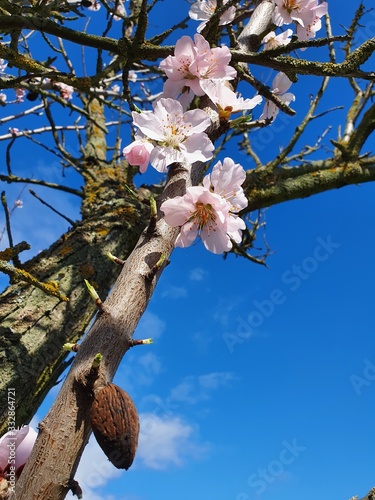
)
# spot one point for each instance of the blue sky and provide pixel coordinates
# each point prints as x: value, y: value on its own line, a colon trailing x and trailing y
x: 260, y: 383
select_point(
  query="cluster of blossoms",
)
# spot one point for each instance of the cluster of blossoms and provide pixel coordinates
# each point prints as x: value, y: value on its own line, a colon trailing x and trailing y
x: 306, y: 14
x: 209, y: 211
x: 66, y: 91
x: 168, y: 135
x: 171, y: 133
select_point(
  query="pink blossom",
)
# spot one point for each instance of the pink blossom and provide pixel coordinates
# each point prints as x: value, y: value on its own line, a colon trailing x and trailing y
x: 177, y: 136
x: 226, y: 100
x: 305, y: 13
x: 66, y: 91
x: 226, y: 180
x: 272, y: 41
x: 314, y: 24
x: 3, y: 97
x: 280, y: 85
x: 21, y: 442
x: 194, y: 62
x: 203, y: 10
x: 120, y: 12
x: 288, y: 11
x: 14, y: 130
x: 138, y: 153
x: 20, y: 94
x: 208, y: 211
x: 3, y: 65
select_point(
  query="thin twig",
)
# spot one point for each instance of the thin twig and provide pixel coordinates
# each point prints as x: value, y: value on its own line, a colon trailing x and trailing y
x: 16, y: 260
x: 26, y: 180
x: 72, y: 223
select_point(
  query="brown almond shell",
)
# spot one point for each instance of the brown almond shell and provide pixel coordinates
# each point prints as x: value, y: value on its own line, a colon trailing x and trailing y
x: 115, y: 423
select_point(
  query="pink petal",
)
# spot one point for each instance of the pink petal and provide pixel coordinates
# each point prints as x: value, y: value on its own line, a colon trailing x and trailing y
x: 25, y: 443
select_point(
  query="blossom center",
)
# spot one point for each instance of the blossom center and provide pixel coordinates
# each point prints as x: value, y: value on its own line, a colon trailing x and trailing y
x: 175, y: 131
x: 203, y: 216
x: 291, y: 5
x: 210, y: 7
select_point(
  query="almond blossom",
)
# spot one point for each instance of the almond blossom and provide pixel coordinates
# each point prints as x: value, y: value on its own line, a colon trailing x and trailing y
x: 203, y: 10
x: 226, y: 100
x: 20, y: 94
x: 15, y: 448
x: 175, y: 136
x: 120, y: 11
x: 314, y: 24
x: 209, y: 211
x: 305, y: 13
x: 138, y: 153
x: 66, y: 91
x: 193, y: 62
x: 272, y: 41
x: 280, y: 85
x: 226, y: 180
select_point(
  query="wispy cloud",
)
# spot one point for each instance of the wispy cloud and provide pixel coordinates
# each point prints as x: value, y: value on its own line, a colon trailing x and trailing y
x: 151, y: 363
x: 167, y: 440
x: 195, y: 389
x: 202, y: 341
x: 214, y: 380
x: 225, y: 310
x: 174, y: 293
x: 197, y: 274
x: 190, y: 391
x: 150, y: 325
x: 139, y: 371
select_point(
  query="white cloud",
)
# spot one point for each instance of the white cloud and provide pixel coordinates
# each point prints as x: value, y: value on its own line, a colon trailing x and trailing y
x: 138, y: 370
x: 194, y: 389
x: 166, y: 441
x: 225, y: 310
x: 174, y: 293
x: 94, y: 472
x: 150, y: 325
x: 151, y: 363
x: 191, y: 390
x: 184, y: 392
x: 215, y: 380
x: 202, y: 341
x: 197, y: 274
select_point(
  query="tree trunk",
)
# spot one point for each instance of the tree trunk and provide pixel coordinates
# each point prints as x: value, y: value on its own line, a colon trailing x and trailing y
x: 65, y: 430
x: 35, y: 326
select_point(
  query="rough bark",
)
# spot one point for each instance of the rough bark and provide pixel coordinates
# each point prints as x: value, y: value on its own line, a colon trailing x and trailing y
x: 60, y: 439
x: 35, y: 326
